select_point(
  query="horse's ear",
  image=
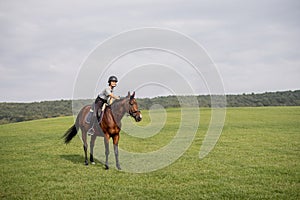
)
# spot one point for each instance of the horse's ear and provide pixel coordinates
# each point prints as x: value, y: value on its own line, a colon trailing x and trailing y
x: 128, y: 95
x: 132, y: 96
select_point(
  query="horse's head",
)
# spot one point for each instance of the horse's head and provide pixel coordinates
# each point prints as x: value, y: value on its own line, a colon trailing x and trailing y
x: 133, y: 108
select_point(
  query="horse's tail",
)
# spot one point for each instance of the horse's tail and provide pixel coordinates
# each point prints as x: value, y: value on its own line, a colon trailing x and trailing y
x: 71, y: 132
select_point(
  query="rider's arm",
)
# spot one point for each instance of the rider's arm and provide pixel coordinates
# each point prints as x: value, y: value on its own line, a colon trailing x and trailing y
x: 113, y: 96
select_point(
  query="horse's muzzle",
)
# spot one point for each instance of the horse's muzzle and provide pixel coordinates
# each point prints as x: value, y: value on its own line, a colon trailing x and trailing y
x: 138, y: 117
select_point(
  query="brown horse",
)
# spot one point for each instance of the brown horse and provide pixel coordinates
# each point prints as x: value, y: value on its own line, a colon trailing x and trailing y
x: 110, y: 126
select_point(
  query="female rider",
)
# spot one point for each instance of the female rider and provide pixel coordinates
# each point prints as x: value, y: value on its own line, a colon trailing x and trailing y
x: 106, y: 96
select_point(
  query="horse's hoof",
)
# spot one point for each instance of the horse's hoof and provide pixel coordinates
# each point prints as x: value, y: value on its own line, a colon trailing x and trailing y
x: 106, y: 167
x: 93, y: 163
x: 118, y: 167
x: 86, y: 163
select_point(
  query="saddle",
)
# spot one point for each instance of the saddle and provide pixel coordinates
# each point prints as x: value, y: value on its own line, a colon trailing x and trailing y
x: 89, y: 116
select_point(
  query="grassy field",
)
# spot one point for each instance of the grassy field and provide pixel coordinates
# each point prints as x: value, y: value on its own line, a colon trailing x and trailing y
x: 256, y: 157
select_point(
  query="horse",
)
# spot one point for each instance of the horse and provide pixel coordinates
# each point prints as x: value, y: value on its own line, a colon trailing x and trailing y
x: 110, y: 126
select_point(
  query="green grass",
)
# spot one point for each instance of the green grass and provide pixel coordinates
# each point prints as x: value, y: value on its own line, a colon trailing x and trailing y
x: 256, y: 157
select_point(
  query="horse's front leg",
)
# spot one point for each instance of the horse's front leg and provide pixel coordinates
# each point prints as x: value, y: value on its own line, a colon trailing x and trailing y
x: 106, y: 143
x: 116, y: 150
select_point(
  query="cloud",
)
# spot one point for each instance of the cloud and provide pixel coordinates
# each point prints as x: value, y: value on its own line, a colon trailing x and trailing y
x: 43, y: 43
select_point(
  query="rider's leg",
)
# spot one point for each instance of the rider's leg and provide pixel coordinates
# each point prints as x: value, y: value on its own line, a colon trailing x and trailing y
x: 91, y: 119
x: 94, y: 121
x: 98, y: 104
x: 90, y: 114
x: 102, y: 112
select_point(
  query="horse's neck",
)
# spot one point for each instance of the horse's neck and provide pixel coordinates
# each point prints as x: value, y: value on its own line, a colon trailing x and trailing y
x: 119, y: 109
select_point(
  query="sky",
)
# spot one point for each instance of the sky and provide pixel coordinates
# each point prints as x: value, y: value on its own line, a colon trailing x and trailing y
x: 255, y: 44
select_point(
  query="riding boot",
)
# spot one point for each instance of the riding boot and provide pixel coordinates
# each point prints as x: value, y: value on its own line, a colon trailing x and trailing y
x: 98, y: 104
x: 89, y: 118
x: 91, y: 131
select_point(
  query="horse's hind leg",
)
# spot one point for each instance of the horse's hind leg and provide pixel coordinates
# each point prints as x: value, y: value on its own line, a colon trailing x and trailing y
x: 85, y: 154
x: 85, y: 146
x: 92, y: 144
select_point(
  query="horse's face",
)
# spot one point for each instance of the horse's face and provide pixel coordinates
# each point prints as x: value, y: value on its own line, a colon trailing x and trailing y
x: 134, y: 109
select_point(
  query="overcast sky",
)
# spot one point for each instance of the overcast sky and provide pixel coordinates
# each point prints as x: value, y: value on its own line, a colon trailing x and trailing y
x: 255, y: 44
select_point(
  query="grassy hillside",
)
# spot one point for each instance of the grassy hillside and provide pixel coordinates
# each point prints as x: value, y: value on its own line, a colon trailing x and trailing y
x: 257, y: 157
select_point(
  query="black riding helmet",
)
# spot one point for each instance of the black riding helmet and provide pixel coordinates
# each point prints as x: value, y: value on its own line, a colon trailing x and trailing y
x: 112, y: 78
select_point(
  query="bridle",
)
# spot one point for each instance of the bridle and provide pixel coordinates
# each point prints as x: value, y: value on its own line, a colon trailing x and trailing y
x: 132, y: 113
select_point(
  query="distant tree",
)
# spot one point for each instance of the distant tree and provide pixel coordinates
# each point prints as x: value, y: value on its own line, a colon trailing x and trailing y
x: 17, y: 112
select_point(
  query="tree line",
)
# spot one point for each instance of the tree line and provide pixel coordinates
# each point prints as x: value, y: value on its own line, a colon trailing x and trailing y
x: 285, y: 98
x: 17, y: 112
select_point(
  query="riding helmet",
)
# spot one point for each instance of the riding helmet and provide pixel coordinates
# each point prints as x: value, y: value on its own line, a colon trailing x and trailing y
x: 112, y: 78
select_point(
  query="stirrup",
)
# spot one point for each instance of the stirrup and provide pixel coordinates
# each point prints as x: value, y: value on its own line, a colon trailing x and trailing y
x: 91, y: 131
